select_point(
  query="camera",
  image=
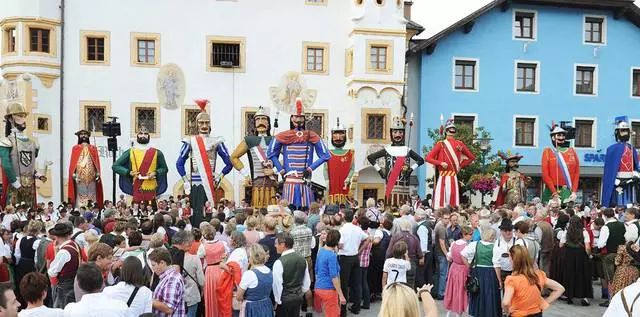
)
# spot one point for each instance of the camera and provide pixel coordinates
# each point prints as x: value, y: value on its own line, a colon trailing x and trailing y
x: 571, y: 131
x: 111, y: 128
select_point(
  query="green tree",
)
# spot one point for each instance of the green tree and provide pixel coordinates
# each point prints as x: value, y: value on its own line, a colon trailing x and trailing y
x: 466, y: 134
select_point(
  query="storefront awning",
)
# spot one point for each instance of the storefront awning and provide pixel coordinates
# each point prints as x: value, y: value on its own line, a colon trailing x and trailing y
x: 585, y: 171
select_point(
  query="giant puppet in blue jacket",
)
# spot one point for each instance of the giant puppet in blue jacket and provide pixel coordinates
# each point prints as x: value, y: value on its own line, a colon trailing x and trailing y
x: 620, y: 168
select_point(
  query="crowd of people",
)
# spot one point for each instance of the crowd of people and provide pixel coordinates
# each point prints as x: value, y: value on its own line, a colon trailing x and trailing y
x: 334, y: 260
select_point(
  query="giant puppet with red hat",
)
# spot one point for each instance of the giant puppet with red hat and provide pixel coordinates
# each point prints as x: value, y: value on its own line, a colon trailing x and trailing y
x: 448, y: 156
x: 398, y: 166
x: 560, y: 166
x: 513, y: 184
x: 297, y: 147
x: 200, y: 153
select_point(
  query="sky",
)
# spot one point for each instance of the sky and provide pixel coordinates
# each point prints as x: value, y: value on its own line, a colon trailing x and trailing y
x: 436, y: 15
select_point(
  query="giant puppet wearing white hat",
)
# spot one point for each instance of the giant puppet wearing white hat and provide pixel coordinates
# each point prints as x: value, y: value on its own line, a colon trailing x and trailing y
x: 202, y: 152
x: 398, y: 167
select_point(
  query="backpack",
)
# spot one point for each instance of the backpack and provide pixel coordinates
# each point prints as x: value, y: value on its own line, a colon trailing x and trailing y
x: 384, y: 242
x: 41, y: 262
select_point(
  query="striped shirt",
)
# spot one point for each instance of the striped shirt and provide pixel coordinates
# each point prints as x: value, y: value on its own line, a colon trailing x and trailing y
x: 170, y: 291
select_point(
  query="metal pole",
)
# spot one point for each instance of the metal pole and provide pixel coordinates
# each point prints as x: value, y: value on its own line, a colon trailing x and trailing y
x: 113, y: 174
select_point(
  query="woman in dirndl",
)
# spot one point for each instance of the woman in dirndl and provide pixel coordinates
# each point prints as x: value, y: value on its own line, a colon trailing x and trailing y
x: 478, y: 256
x: 255, y: 285
x: 576, y: 265
x: 556, y: 269
x: 214, y: 252
x: 455, y: 295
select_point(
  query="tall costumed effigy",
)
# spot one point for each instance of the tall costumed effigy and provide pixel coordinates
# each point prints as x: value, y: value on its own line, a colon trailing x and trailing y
x: 620, y: 179
x: 84, y: 182
x: 201, y: 151
x: 513, y: 184
x: 560, y: 167
x: 340, y: 167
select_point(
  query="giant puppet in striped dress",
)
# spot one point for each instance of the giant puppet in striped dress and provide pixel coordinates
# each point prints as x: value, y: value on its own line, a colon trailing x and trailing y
x: 449, y: 156
x: 202, y: 152
x: 297, y: 146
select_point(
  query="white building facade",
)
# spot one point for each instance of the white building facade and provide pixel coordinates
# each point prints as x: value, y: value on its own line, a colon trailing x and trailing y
x: 75, y: 63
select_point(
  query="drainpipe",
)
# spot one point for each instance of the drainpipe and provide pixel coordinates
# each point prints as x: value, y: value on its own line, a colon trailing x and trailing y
x: 61, y: 110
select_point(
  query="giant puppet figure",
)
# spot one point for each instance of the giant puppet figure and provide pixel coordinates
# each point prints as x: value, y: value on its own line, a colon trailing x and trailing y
x: 84, y: 183
x: 202, y: 151
x: 560, y: 167
x: 259, y: 175
x: 513, y: 184
x: 398, y: 167
x: 449, y: 157
x: 620, y: 168
x: 340, y: 167
x: 18, y: 156
x: 142, y: 169
x: 297, y: 146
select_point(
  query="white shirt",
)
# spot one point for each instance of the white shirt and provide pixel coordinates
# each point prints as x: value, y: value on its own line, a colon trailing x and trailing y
x: 250, y: 280
x: 80, y: 240
x: 42, y: 311
x: 8, y: 219
x: 122, y: 291
x: 18, y: 254
x: 423, y: 236
x: 469, y: 252
x: 616, y: 307
x: 278, y: 279
x: 604, y: 234
x: 500, y: 248
x: 97, y: 305
x: 562, y: 236
x: 350, y: 238
x: 240, y: 256
x: 62, y: 257
x: 396, y: 270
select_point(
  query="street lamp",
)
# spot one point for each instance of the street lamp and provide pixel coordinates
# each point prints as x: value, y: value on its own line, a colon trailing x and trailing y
x: 485, y: 147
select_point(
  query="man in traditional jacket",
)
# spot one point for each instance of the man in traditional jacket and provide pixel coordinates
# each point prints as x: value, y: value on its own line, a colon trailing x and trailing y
x: 449, y: 157
x: 560, y: 167
x: 202, y: 151
x: 340, y: 167
x: 397, y: 168
x: 260, y: 175
x: 84, y: 183
x: 18, y: 156
x: 297, y: 146
x: 620, y: 169
x: 142, y: 170
x: 513, y: 184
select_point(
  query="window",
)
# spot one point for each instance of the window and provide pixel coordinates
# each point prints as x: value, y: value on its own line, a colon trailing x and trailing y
x: 468, y: 121
x: 526, y: 77
x: 10, y: 39
x: 375, y: 126
x: 315, y: 58
x: 635, y: 136
x: 95, y: 47
x: 584, y: 133
x: 145, y: 115
x: 380, y: 56
x: 94, y: 117
x: 635, y: 83
x: 225, y: 54
x: 525, y: 131
x: 585, y: 80
x: 523, y: 27
x: 317, y: 124
x: 594, y: 30
x: 145, y: 49
x: 43, y: 123
x: 465, y: 75
x: 191, y: 127
x: 249, y: 125
x: 39, y: 40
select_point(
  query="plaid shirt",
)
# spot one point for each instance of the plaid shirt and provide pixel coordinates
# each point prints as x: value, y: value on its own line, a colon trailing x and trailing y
x: 170, y: 290
x: 302, y: 237
x: 365, y: 254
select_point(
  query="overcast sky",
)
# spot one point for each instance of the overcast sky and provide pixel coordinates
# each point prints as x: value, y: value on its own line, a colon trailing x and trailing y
x: 436, y: 15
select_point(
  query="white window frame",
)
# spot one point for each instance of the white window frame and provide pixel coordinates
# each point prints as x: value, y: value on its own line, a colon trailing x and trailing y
x: 474, y: 115
x: 476, y: 74
x: 594, y: 132
x: 631, y: 82
x: 596, y: 80
x: 534, y: 30
x: 536, y: 131
x: 603, y: 31
x: 515, y: 77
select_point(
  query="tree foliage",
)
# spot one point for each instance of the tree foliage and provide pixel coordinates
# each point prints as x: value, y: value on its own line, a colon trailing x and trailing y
x: 466, y: 134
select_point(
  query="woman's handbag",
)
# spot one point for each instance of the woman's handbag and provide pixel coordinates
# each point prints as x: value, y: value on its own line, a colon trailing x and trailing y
x: 472, y: 285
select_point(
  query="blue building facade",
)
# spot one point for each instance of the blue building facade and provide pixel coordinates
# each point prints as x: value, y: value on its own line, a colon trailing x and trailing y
x: 513, y: 68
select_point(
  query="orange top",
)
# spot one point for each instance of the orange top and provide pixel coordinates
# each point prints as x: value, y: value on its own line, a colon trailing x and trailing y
x: 527, y: 299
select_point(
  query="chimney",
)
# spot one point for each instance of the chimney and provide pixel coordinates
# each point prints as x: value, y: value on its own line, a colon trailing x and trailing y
x: 407, y: 9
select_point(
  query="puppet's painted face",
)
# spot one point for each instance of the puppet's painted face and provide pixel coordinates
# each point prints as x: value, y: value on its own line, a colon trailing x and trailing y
x: 19, y: 121
x: 83, y: 138
x: 262, y: 124
x: 451, y: 132
x: 297, y: 122
x: 513, y: 164
x: 623, y: 135
x: 143, y: 138
x: 397, y: 137
x: 558, y: 138
x: 338, y: 139
x: 204, y: 126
